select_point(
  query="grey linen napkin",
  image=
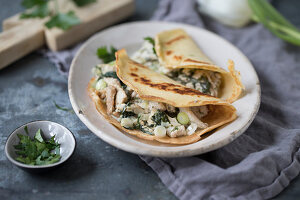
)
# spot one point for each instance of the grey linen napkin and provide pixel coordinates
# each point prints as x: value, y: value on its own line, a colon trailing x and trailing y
x: 261, y: 162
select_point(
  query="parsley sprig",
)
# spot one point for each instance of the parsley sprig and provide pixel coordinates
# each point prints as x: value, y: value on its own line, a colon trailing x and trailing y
x: 40, y: 9
x: 63, y: 21
x: 266, y: 14
x: 37, y: 151
x: 106, y: 55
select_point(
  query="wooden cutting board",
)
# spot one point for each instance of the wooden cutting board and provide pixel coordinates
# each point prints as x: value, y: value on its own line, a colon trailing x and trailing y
x: 22, y: 36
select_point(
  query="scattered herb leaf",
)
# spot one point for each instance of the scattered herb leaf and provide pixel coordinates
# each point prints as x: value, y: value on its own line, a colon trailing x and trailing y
x: 105, y: 55
x: 37, y: 151
x: 81, y: 3
x: 63, y: 21
x: 63, y: 109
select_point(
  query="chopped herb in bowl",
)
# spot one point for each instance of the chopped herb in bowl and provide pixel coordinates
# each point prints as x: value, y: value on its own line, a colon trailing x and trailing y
x: 37, y: 150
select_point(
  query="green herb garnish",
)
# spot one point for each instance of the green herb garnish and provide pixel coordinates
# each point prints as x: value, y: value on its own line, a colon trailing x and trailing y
x: 266, y: 14
x: 63, y: 21
x: 81, y: 3
x: 106, y: 55
x: 63, y: 109
x: 41, y: 9
x: 37, y: 151
x: 151, y: 40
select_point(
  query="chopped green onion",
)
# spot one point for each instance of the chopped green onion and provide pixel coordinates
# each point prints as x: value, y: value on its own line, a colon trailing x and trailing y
x: 160, y: 131
x: 126, y: 122
x: 266, y: 14
x: 100, y: 85
x: 183, y: 118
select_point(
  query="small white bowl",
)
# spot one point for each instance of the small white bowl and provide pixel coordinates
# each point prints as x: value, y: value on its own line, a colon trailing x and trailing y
x: 62, y: 135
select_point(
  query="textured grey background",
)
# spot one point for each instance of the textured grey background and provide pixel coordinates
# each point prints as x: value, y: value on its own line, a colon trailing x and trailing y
x: 97, y: 170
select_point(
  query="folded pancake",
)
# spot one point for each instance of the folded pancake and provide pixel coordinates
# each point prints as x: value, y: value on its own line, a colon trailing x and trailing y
x: 152, y: 106
x: 176, y: 50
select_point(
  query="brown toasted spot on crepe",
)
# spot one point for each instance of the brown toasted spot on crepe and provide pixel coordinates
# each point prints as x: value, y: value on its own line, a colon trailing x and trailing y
x: 175, y: 39
x: 195, y: 61
x: 138, y: 64
x: 177, y: 57
x: 133, y: 74
x: 169, y: 52
x: 134, y: 69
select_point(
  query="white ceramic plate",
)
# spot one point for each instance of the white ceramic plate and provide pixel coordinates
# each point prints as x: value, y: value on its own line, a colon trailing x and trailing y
x: 130, y: 36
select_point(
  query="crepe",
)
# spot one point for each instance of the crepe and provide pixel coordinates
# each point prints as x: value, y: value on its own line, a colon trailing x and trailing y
x: 176, y: 49
x: 154, y: 86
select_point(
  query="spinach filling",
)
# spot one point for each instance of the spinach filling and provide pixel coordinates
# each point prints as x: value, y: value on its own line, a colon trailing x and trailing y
x: 160, y: 117
x: 125, y: 114
x: 140, y: 127
x: 205, y: 84
x: 172, y: 114
x: 111, y: 74
x: 184, y: 79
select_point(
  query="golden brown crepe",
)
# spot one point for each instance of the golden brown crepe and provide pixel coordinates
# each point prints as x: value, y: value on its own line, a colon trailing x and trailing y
x: 154, y: 86
x: 176, y: 49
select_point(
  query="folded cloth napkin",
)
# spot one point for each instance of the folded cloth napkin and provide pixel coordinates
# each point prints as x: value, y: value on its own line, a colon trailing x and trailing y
x: 261, y: 162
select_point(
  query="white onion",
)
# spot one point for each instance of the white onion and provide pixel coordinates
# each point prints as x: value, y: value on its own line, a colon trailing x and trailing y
x: 100, y: 85
x: 160, y: 131
x: 126, y: 122
x: 191, y: 128
x: 236, y: 13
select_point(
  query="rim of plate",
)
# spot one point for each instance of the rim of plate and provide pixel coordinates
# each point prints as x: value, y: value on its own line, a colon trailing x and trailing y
x: 148, y: 150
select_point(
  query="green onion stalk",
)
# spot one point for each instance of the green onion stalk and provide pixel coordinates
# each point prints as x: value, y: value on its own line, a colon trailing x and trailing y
x: 265, y: 13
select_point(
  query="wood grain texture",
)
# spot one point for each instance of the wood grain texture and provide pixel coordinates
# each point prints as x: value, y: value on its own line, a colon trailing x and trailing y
x: 20, y: 37
x: 16, y: 43
x: 93, y: 18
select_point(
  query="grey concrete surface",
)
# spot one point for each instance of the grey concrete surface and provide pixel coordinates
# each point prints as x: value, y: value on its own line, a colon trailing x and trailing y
x: 97, y: 170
